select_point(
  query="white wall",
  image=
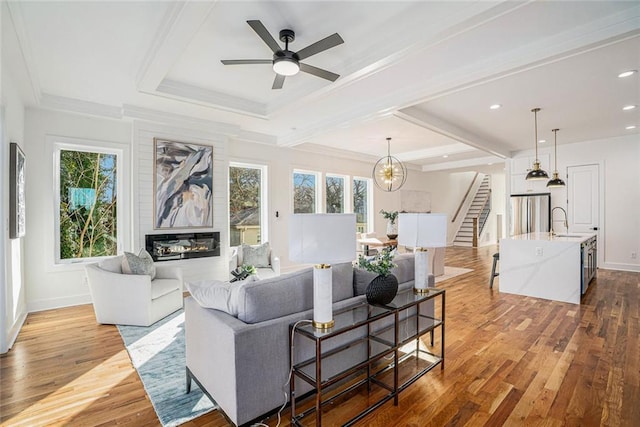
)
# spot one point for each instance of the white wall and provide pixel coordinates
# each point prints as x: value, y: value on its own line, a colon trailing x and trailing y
x: 12, y: 287
x: 50, y: 285
x: 619, y: 231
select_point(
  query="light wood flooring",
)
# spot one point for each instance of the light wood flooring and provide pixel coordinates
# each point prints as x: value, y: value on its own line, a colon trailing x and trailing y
x: 510, y: 360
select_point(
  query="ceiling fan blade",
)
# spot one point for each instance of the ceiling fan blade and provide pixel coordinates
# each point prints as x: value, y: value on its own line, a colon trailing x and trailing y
x: 320, y: 46
x: 245, y: 61
x: 264, y: 35
x: 319, y: 72
x: 278, y: 82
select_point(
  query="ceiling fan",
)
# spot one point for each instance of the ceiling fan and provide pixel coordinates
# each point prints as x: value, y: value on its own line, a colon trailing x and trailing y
x: 286, y: 62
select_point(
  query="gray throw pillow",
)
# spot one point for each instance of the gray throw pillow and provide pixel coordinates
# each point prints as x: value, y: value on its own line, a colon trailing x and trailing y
x: 361, y: 279
x: 138, y: 264
x: 258, y: 256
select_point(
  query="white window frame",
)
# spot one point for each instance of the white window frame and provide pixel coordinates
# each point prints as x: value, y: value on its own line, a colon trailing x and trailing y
x: 346, y: 191
x: 123, y: 177
x: 370, y: 217
x: 318, y: 193
x: 264, y: 200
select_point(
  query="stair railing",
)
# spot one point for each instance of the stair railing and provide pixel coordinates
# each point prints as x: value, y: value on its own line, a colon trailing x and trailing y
x: 464, y: 199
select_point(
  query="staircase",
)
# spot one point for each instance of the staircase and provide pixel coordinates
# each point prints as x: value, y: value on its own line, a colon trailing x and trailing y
x: 478, y: 211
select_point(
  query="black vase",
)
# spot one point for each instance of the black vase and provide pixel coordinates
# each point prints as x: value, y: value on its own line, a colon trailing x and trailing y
x: 382, y: 289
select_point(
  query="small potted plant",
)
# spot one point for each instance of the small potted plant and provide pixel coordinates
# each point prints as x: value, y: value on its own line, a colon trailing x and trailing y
x: 384, y: 286
x: 243, y: 272
x: 392, y: 226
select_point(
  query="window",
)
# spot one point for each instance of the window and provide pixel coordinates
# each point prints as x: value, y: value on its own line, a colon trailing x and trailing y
x: 305, y: 192
x: 88, y: 192
x: 335, y: 194
x: 247, y: 211
x: 362, y: 204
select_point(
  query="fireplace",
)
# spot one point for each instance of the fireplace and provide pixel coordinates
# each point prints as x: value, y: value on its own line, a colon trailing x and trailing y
x: 166, y: 247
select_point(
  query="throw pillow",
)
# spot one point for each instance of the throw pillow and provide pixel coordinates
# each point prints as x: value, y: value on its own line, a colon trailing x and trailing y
x: 138, y: 264
x: 361, y: 279
x: 258, y: 256
x: 215, y: 294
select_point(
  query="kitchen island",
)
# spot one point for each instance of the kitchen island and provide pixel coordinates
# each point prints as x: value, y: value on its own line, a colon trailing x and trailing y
x: 540, y: 265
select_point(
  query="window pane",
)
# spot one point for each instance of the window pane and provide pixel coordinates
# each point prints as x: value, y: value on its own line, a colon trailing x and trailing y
x: 88, y: 204
x: 335, y: 194
x: 244, y: 206
x: 360, y: 204
x: 304, y: 193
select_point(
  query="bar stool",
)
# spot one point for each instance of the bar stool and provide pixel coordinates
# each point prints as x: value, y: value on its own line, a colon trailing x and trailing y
x: 496, y: 258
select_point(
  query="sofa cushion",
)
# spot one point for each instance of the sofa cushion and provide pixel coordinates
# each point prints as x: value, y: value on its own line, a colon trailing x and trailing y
x: 138, y: 264
x: 289, y: 293
x: 162, y: 287
x: 258, y: 256
x: 215, y: 294
x: 405, y: 269
x: 361, y: 279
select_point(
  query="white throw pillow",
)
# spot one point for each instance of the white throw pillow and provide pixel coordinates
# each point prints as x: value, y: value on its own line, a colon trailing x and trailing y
x: 138, y: 264
x: 216, y: 294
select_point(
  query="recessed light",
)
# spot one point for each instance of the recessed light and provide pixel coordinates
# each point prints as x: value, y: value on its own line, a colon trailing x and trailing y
x: 495, y: 106
x: 542, y: 141
x: 445, y: 156
x: 628, y: 107
x: 627, y: 73
x: 489, y: 164
x: 630, y: 127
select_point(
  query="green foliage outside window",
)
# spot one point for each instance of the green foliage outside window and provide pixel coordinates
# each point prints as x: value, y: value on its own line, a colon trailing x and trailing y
x: 360, y: 203
x: 244, y: 205
x: 88, y: 204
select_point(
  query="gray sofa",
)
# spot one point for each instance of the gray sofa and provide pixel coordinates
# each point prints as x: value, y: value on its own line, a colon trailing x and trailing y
x: 242, y: 362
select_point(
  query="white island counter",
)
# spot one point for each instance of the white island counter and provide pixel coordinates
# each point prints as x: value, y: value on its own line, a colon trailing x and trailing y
x: 552, y: 267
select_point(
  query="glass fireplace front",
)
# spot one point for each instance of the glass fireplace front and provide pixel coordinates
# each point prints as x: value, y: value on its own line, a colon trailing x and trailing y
x: 165, y: 247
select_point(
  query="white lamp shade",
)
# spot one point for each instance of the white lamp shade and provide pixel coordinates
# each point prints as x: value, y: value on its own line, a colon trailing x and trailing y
x: 322, y: 238
x: 422, y: 230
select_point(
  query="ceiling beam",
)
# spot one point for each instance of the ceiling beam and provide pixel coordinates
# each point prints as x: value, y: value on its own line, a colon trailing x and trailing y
x: 178, y: 27
x: 420, y: 118
x: 461, y: 164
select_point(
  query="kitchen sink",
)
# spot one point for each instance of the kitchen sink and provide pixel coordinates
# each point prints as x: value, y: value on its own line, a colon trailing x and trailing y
x: 568, y: 235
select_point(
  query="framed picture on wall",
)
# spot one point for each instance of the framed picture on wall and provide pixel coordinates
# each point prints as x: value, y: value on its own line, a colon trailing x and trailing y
x: 17, y: 203
x: 183, y: 183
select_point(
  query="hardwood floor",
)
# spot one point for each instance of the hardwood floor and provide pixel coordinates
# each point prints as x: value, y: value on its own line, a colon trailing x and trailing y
x: 511, y: 360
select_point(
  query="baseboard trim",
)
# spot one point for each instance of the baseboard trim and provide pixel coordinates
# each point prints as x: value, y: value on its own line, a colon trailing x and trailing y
x: 620, y: 266
x: 52, y: 303
x: 13, y: 333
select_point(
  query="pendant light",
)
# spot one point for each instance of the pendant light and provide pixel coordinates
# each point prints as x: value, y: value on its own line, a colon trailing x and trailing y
x: 389, y: 173
x: 555, y: 181
x: 536, y: 173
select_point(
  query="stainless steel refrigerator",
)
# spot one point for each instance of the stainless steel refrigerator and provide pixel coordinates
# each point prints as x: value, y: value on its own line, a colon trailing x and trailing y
x: 530, y: 213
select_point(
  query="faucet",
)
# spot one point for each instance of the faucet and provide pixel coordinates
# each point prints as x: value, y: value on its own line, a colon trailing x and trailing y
x: 566, y: 222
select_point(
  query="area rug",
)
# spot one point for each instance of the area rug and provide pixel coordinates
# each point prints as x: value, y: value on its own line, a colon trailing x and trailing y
x: 158, y: 354
x: 450, y: 272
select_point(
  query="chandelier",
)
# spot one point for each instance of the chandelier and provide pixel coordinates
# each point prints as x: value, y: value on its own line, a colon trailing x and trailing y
x: 389, y: 173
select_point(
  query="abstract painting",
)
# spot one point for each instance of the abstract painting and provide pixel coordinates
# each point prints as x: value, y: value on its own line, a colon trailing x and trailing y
x: 183, y: 181
x: 17, y: 202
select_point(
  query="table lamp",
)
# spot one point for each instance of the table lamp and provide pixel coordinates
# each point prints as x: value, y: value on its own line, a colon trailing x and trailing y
x: 322, y: 239
x: 421, y: 231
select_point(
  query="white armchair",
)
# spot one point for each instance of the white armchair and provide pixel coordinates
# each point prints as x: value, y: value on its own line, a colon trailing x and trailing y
x: 236, y: 259
x: 131, y: 299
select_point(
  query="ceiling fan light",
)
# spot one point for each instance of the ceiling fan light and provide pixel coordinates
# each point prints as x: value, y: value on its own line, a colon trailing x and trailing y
x: 286, y: 66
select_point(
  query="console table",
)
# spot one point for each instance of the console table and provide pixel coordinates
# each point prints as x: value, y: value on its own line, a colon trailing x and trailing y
x: 371, y: 335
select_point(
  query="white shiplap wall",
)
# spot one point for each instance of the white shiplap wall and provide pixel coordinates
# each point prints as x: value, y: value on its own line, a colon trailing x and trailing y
x: 143, y: 193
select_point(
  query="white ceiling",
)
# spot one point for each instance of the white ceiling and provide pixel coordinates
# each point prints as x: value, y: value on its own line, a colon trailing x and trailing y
x: 421, y: 72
